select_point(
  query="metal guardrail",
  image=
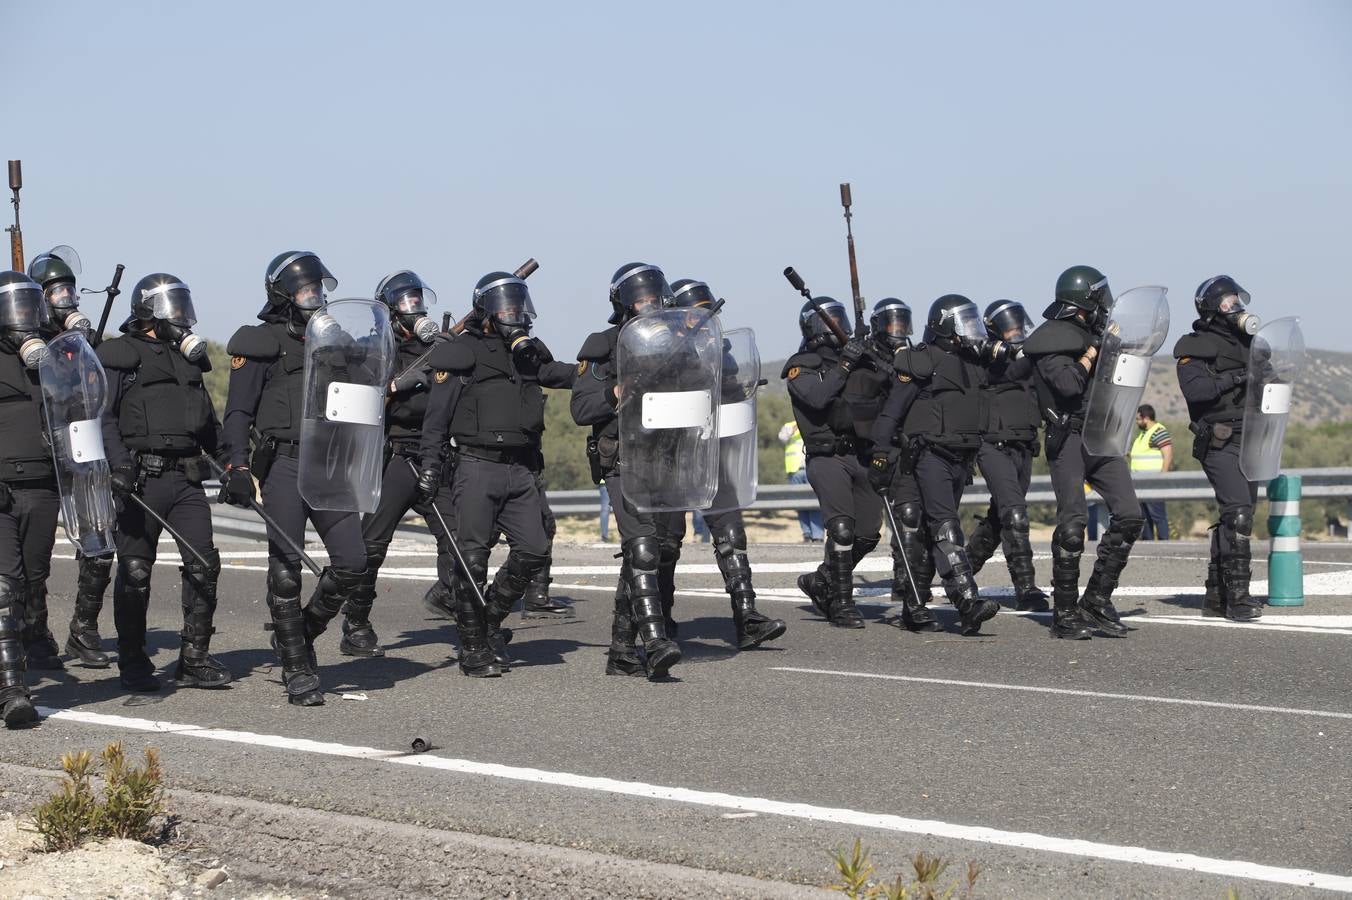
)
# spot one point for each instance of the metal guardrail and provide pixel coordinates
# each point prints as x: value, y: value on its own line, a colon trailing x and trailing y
x: 1191, y: 485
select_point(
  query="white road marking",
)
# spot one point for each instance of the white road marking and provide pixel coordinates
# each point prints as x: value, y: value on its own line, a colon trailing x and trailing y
x: 1071, y: 692
x: 927, y: 827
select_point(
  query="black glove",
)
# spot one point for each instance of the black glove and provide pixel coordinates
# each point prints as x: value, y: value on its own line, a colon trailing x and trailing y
x: 429, y: 482
x: 6, y: 497
x: 852, y: 352
x: 1237, y: 377
x: 880, y: 472
x: 123, y: 482
x: 237, y: 486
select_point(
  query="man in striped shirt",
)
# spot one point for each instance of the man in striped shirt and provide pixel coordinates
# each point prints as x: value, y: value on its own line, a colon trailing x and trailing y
x: 1152, y: 451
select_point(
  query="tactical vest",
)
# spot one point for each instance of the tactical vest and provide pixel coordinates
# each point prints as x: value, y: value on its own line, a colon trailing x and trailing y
x: 609, y: 430
x: 821, y: 429
x: 24, y: 453
x: 164, y: 405
x: 281, y: 406
x: 863, y: 397
x: 498, y: 408
x: 1013, y: 414
x: 950, y: 408
x: 1222, y: 354
x: 1061, y: 333
x: 405, y: 412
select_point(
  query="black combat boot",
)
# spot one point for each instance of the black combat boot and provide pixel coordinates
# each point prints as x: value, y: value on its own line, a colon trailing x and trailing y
x: 439, y: 599
x: 666, y: 581
x: 643, y: 555
x: 196, y: 666
x: 538, y: 604
x: 1068, y: 622
x: 1019, y: 559
x: 299, y: 675
x: 983, y: 540
x: 84, y: 642
x: 359, y: 636
x: 915, y: 612
x: 1214, y: 601
x: 39, y: 645
x: 815, y: 587
x: 16, y: 707
x: 1235, y: 572
x: 509, y: 586
x: 973, y: 609
x: 622, y: 658
x: 840, y: 588
x: 333, y: 589
x: 131, y: 599
x: 752, y: 628
x: 1113, y: 550
x: 477, y: 659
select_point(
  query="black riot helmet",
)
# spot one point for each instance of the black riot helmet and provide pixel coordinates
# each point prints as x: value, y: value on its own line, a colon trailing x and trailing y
x: 815, y: 331
x: 692, y: 294
x: 162, y: 304
x: 297, y: 279
x: 954, y: 321
x: 56, y: 271
x: 890, y: 324
x: 1082, y: 288
x: 638, y: 289
x: 409, y: 298
x: 23, y: 316
x: 503, y: 298
x: 1222, y: 297
x: 1007, y: 321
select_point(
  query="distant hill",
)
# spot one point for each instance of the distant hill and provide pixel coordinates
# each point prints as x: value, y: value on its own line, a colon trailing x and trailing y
x: 1323, y: 394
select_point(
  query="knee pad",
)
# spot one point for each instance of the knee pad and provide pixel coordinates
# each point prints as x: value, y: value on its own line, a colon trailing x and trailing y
x: 478, y: 566
x: 948, y: 531
x: 338, y: 582
x: 643, y: 554
x: 1239, y: 520
x: 910, y: 514
x: 524, y: 566
x: 210, y: 572
x: 136, y: 571
x: 1069, y: 538
x: 11, y: 596
x: 1015, y: 518
x: 1130, y: 527
x: 669, y: 550
x: 98, y: 567
x: 840, y: 531
x: 730, y: 539
x: 283, y: 579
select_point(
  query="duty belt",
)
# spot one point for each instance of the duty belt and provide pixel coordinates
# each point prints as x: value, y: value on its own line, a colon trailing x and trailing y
x: 841, y: 446
x: 284, y: 448
x: 156, y: 463
x: 408, y: 447
x: 523, y: 455
x: 956, y: 455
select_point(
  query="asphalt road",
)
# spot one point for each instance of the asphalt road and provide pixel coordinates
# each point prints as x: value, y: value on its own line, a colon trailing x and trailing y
x: 1188, y: 758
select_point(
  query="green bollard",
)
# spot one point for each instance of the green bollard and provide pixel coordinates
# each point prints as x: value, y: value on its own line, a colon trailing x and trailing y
x: 1286, y: 579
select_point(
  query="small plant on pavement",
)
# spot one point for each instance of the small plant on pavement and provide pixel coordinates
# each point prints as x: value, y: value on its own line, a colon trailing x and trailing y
x: 132, y: 797
x: 856, y: 874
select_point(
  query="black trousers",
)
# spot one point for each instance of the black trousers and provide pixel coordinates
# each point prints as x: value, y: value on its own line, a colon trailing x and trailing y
x: 1008, y: 471
x: 632, y: 523
x: 340, y: 531
x: 1072, y: 468
x: 843, y: 489
x: 399, y: 494
x: 182, y: 503
x: 1234, y: 492
x: 940, y: 482
x: 673, y: 524
x: 28, y: 532
x: 492, y: 497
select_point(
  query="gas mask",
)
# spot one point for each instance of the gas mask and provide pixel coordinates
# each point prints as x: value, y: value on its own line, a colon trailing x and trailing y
x: 192, y: 346
x: 1242, y: 321
x: 65, y: 309
x: 420, y: 327
x: 32, y: 349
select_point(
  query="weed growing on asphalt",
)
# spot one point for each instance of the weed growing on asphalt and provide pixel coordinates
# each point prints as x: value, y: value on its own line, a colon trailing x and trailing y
x: 132, y: 797
x: 856, y: 878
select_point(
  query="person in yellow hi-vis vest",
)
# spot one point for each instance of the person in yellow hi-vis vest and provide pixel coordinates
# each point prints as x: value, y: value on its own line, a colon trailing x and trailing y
x: 795, y: 466
x: 1152, y: 451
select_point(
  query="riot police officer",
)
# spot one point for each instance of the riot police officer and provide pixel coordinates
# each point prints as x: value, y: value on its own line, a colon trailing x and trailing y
x: 912, y: 561
x: 487, y: 397
x: 158, y: 422
x: 56, y: 271
x: 28, y: 497
x: 267, y: 379
x: 937, y: 403
x: 409, y: 299
x: 727, y: 528
x: 1064, y: 349
x: 836, y: 393
x: 636, y: 290
x: 1007, y: 450
x: 1213, y: 367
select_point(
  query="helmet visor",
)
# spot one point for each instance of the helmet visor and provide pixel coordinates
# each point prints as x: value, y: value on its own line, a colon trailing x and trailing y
x: 508, y: 302
x: 694, y: 294
x: 1233, y: 303
x: 967, y: 323
x: 816, y: 327
x: 63, y: 295
x: 413, y: 301
x: 22, y: 307
x: 644, y: 292
x: 894, y: 321
x: 304, y: 279
x: 1010, y: 323
x: 172, y: 303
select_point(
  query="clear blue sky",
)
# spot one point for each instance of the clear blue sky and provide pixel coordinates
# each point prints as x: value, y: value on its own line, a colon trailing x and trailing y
x: 990, y: 145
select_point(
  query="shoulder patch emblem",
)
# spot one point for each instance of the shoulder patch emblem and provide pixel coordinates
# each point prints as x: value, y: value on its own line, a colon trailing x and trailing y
x: 793, y: 372
x: 581, y: 366
x: 440, y: 376
x: 1185, y: 360
x: 236, y: 362
x: 903, y: 378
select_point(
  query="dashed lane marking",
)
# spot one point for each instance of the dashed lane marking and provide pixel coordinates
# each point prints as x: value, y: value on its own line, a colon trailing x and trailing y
x: 1228, y: 868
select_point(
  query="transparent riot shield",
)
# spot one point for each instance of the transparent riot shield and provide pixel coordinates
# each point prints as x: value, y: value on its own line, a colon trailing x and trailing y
x: 1137, y: 327
x: 349, y: 358
x: 669, y: 369
x: 738, y: 466
x: 1276, y: 359
x: 74, y: 392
